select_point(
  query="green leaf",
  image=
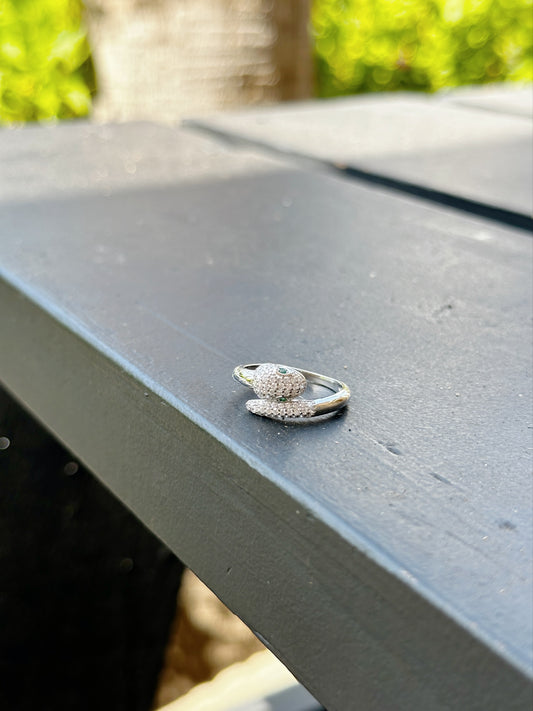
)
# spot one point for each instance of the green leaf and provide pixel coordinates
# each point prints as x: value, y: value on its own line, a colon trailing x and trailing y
x: 369, y: 45
x: 45, y: 60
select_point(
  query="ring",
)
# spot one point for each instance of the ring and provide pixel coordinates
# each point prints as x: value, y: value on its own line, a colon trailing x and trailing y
x: 279, y: 389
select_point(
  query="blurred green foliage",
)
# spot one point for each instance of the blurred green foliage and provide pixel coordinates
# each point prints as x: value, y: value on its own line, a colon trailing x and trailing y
x: 377, y: 45
x: 45, y: 64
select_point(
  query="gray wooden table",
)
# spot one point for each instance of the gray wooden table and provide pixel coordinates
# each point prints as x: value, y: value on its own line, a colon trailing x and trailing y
x: 383, y: 555
x: 462, y: 149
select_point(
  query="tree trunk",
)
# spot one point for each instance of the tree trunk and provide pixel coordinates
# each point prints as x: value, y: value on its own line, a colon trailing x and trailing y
x: 163, y: 59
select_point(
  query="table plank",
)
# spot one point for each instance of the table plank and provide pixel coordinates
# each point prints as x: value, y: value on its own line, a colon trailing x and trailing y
x: 510, y: 98
x: 476, y: 158
x: 384, y: 555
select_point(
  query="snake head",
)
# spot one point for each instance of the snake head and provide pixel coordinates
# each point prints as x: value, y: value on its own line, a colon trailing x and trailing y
x: 278, y: 381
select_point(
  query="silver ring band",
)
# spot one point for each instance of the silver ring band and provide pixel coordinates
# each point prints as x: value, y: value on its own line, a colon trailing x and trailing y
x: 279, y: 389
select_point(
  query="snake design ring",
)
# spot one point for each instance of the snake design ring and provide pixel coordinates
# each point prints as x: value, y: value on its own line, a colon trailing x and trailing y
x: 279, y: 389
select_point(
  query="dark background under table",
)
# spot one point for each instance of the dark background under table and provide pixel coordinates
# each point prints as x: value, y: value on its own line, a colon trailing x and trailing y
x: 87, y: 592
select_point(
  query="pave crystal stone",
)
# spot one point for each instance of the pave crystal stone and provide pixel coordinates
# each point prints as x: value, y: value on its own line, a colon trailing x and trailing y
x: 281, y: 410
x: 275, y: 381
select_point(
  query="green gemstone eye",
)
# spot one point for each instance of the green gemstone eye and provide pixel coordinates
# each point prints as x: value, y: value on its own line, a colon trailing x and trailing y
x: 282, y: 399
x: 283, y: 371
